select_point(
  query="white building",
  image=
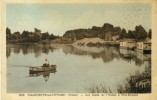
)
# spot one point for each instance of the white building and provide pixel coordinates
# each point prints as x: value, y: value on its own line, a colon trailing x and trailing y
x: 128, y: 44
x: 144, y: 47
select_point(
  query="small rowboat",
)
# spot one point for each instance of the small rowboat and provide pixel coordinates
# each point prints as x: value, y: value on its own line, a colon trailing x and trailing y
x: 36, y: 74
x: 42, y: 69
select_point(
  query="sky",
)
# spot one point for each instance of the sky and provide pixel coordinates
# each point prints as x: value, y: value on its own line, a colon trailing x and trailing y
x: 58, y: 18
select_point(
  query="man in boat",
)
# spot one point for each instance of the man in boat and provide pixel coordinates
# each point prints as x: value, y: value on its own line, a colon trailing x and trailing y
x: 46, y: 64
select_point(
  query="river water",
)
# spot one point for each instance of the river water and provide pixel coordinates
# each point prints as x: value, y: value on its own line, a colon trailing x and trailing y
x: 78, y: 68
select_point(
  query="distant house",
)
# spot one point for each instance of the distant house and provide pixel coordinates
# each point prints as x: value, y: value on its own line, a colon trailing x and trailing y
x: 123, y: 44
x: 144, y: 47
x: 115, y: 38
x: 128, y: 44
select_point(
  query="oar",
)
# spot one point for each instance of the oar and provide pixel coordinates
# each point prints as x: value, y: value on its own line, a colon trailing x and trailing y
x: 20, y: 65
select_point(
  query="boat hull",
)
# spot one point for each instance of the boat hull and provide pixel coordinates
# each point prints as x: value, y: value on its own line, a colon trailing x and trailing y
x: 42, y: 69
x: 36, y: 74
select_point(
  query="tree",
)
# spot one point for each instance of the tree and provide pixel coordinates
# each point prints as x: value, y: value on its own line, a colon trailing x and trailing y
x: 140, y: 32
x: 107, y: 27
x: 8, y: 33
x: 131, y: 34
x: 123, y: 34
x: 25, y: 36
x: 45, y: 36
x: 117, y: 30
x: 134, y: 34
x: 37, y: 30
x: 37, y: 36
x: 16, y: 36
x: 150, y: 33
x: 52, y: 37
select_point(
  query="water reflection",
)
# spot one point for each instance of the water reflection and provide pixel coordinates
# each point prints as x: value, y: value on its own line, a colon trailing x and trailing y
x: 107, y: 54
x: 37, y: 49
x: 78, y: 66
x: 136, y: 57
x: 45, y: 74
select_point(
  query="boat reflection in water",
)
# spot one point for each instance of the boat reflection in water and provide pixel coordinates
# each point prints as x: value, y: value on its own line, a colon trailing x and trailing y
x: 45, y: 74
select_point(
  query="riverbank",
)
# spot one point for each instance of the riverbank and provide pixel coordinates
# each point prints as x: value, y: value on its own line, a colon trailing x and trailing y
x: 41, y: 42
x: 96, y: 42
x: 89, y: 42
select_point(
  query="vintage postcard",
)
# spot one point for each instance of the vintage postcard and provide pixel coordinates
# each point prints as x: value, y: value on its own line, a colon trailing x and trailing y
x: 78, y: 49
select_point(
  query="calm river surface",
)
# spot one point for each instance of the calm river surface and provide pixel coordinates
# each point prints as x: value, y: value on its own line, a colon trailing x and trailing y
x: 77, y: 68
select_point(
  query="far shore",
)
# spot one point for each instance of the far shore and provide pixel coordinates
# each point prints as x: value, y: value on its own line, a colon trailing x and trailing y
x: 90, y: 42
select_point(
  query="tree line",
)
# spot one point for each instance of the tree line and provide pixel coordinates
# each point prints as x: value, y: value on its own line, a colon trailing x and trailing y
x: 107, y: 31
x: 27, y: 36
x: 139, y: 33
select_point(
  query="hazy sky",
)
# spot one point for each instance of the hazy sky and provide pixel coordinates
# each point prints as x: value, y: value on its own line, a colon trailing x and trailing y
x: 58, y: 18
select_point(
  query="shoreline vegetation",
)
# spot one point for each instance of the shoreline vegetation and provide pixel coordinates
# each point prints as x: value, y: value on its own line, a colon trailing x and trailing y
x: 96, y: 36
x: 137, y: 83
